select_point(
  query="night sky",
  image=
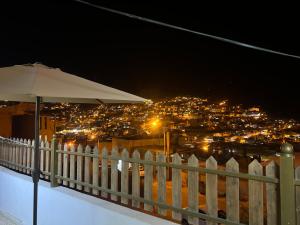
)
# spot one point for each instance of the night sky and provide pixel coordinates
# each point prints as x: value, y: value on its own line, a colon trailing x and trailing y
x: 153, y: 61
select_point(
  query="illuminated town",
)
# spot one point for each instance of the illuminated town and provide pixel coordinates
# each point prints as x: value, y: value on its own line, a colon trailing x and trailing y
x: 196, y: 125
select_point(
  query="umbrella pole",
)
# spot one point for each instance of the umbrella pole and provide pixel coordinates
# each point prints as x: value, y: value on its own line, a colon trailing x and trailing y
x: 36, y: 168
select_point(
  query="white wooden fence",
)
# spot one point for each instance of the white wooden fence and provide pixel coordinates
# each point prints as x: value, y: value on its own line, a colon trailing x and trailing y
x: 142, y: 181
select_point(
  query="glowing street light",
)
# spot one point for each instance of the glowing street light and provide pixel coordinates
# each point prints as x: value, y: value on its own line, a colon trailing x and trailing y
x: 155, y: 123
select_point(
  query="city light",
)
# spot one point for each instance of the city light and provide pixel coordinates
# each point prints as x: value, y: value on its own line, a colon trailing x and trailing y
x: 218, y: 121
x: 93, y: 136
x: 70, y: 144
x: 155, y: 123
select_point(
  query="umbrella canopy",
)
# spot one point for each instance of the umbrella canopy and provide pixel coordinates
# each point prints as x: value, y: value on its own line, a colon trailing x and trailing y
x: 25, y: 82
x: 36, y: 82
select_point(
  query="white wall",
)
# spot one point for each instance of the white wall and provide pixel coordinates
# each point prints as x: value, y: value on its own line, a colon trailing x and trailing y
x: 63, y: 206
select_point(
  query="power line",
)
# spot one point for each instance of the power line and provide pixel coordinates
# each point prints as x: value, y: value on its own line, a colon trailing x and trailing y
x: 245, y: 45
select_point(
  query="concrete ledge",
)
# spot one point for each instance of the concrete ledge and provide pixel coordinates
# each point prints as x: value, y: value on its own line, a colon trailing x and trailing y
x: 63, y: 206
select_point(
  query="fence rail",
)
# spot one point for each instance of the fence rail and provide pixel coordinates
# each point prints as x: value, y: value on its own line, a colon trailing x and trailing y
x: 141, y: 182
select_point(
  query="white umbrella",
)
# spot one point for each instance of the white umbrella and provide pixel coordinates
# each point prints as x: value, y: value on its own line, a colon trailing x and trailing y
x: 25, y: 82
x: 36, y: 83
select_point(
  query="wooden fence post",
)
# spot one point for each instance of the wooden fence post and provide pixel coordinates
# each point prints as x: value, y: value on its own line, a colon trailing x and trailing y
x: 54, y: 162
x: 59, y: 163
x: 7, y: 151
x: 104, y: 172
x: 79, y: 167
x: 42, y: 158
x: 10, y: 149
x: 287, y: 185
x: 271, y: 191
x: 1, y: 150
x: 72, y: 166
x: 17, y: 153
x: 47, y: 163
x: 65, y: 165
x: 232, y: 192
x: 193, y: 189
x: 96, y: 170
x: 148, y: 181
x: 256, y: 207
x: 161, y: 182
x: 176, y: 186
x: 114, y: 174
x: 28, y: 157
x: 212, y: 190
x: 32, y: 155
x: 136, y: 179
x: 124, y: 175
x: 23, y: 154
x: 14, y: 159
x: 87, y: 174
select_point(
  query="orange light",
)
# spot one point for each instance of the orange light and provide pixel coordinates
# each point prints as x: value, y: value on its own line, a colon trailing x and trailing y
x: 93, y: 136
x: 154, y: 123
x: 70, y: 144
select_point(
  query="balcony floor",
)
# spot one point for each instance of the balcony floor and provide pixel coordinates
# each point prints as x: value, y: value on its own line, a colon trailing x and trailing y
x: 8, y: 220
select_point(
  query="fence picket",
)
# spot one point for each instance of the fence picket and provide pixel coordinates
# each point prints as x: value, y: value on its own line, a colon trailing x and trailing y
x: 87, y: 169
x: 255, y: 195
x: 7, y: 153
x: 16, y: 158
x: 161, y: 182
x: 96, y: 170
x: 212, y: 190
x: 136, y: 179
x: 79, y: 173
x: 104, y: 172
x: 193, y: 189
x: 271, y: 191
x: 59, y: 164
x: 65, y: 165
x: 124, y: 175
x: 7, y: 148
x: 176, y: 187
x: 10, y: 148
x: 17, y: 153
x: 232, y: 192
x: 23, y: 155
x: 47, y: 159
x: 148, y: 181
x: 32, y: 154
x: 53, y: 162
x: 72, y: 167
x: 28, y: 156
x: 42, y: 158
x: 114, y: 174
x: 3, y: 150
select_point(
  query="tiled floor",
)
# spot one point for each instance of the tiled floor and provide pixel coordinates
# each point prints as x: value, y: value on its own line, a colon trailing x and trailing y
x: 8, y: 220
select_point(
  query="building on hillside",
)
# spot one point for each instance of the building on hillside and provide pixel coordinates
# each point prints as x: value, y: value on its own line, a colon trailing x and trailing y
x: 18, y: 121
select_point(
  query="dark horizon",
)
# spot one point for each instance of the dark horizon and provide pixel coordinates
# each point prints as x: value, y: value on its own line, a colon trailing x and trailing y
x: 155, y: 62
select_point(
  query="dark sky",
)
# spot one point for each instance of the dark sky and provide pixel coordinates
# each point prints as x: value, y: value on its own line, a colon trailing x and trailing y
x: 154, y: 61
